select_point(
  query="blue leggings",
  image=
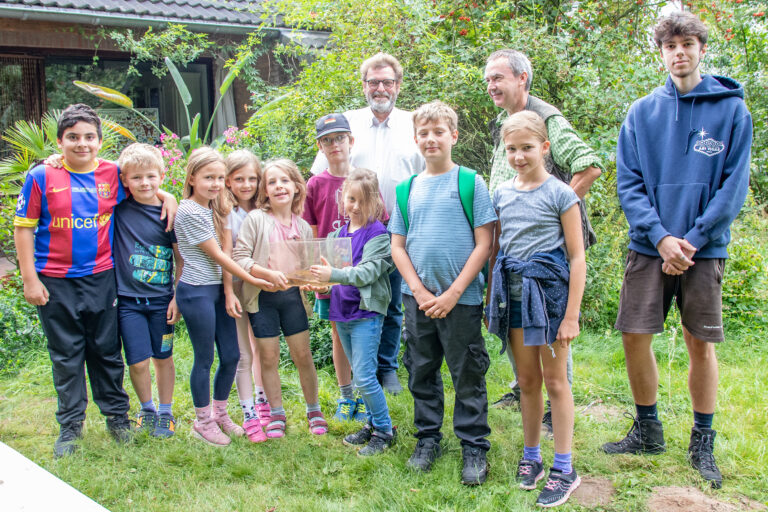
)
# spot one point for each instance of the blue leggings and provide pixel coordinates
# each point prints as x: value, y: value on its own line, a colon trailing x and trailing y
x: 204, y: 311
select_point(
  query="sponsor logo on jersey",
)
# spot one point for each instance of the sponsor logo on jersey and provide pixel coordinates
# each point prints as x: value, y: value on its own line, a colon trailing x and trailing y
x: 73, y: 222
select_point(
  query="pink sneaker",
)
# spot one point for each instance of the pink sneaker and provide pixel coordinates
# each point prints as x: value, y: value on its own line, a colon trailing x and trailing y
x: 262, y: 409
x: 223, y: 420
x: 253, y: 430
x: 206, y: 429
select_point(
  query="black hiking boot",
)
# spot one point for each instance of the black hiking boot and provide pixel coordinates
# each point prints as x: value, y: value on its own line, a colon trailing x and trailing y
x: 508, y: 400
x: 546, y: 423
x: 66, y: 444
x: 475, y: 469
x: 424, y: 454
x: 702, y: 458
x: 645, y: 436
x: 119, y: 427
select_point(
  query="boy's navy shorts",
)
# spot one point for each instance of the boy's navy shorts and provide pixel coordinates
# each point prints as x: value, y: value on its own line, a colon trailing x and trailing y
x: 280, y: 310
x: 144, y: 328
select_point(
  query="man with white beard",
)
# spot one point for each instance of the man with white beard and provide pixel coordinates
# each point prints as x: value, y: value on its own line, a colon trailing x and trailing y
x: 384, y: 143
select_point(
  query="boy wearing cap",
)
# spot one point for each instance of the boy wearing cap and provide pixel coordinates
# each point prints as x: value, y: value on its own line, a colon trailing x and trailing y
x: 321, y: 211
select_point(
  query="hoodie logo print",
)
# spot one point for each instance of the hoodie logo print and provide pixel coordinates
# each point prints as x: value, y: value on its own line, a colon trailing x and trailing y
x: 708, y: 147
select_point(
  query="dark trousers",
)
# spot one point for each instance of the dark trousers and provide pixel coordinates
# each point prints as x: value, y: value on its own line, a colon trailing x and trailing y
x: 456, y: 337
x: 205, y: 314
x: 80, y: 322
x: 389, y: 346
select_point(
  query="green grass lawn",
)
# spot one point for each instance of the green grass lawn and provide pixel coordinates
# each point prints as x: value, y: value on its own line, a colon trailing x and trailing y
x: 305, y: 472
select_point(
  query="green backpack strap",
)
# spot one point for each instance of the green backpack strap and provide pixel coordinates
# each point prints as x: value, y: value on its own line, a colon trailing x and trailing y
x: 402, y: 191
x: 467, y: 194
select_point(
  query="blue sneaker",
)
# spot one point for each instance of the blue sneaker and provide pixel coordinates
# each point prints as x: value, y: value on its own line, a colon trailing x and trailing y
x: 361, y: 411
x: 166, y: 426
x: 345, y: 409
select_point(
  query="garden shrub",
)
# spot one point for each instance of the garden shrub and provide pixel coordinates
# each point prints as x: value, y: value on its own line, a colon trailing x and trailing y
x: 20, y: 330
x: 320, y: 343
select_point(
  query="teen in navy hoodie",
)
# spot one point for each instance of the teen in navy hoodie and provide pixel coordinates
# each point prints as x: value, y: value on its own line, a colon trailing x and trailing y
x: 682, y: 176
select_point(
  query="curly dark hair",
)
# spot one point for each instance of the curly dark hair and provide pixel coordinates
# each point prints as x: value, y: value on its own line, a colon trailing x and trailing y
x: 681, y: 23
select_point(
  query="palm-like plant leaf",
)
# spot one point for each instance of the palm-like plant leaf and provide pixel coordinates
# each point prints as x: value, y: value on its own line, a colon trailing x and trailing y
x: 118, y: 128
x: 105, y: 93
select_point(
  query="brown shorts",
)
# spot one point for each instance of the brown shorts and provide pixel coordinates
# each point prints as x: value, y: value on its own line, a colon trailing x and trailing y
x: 647, y: 292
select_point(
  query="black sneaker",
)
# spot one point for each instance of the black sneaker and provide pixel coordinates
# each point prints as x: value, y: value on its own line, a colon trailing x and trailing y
x: 66, y: 443
x: 146, y: 421
x: 166, y: 426
x: 645, y: 436
x: 546, y: 423
x: 379, y: 442
x: 424, y: 454
x: 475, y: 469
x: 702, y: 458
x: 360, y: 437
x: 558, y: 488
x: 528, y: 473
x: 508, y: 400
x: 119, y: 428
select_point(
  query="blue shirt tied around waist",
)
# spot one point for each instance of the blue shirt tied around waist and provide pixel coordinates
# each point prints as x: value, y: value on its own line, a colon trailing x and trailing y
x: 544, y: 298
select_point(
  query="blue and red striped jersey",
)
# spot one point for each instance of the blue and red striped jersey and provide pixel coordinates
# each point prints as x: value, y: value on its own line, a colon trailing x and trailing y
x: 73, y: 215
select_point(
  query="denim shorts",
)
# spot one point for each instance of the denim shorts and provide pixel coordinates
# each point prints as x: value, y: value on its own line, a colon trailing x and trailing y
x: 515, y: 314
x: 282, y: 310
x: 144, y: 328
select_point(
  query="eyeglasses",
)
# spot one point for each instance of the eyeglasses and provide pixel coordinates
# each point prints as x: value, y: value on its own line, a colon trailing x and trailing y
x: 374, y: 83
x: 329, y: 141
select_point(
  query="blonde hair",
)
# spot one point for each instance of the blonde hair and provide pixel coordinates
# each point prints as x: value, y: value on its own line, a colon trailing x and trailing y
x: 382, y: 60
x: 235, y: 161
x: 198, y: 159
x: 289, y: 168
x: 141, y: 156
x: 525, y: 120
x: 436, y: 111
x: 371, y: 204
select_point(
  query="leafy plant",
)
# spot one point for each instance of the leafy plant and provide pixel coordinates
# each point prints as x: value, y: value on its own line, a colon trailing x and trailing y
x: 193, y: 140
x: 20, y: 330
x: 174, y: 41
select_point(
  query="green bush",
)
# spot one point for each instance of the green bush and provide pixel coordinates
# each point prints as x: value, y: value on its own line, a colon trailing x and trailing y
x: 745, y: 288
x: 20, y: 330
x: 320, y: 343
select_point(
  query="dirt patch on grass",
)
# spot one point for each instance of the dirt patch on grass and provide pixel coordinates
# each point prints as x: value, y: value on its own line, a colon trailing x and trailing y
x: 690, y: 499
x: 601, y: 412
x: 594, y: 492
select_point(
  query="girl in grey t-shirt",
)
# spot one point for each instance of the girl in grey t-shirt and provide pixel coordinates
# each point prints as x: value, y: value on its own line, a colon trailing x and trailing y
x: 539, y: 214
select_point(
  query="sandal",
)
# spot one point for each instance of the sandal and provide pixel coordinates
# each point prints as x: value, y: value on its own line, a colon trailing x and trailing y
x: 276, y: 426
x: 317, y: 423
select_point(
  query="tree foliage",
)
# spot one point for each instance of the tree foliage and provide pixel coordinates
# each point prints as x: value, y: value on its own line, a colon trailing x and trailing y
x: 153, y: 46
x: 591, y: 59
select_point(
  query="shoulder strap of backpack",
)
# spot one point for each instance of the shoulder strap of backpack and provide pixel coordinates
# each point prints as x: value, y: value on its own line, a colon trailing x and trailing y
x: 467, y: 194
x: 402, y: 191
